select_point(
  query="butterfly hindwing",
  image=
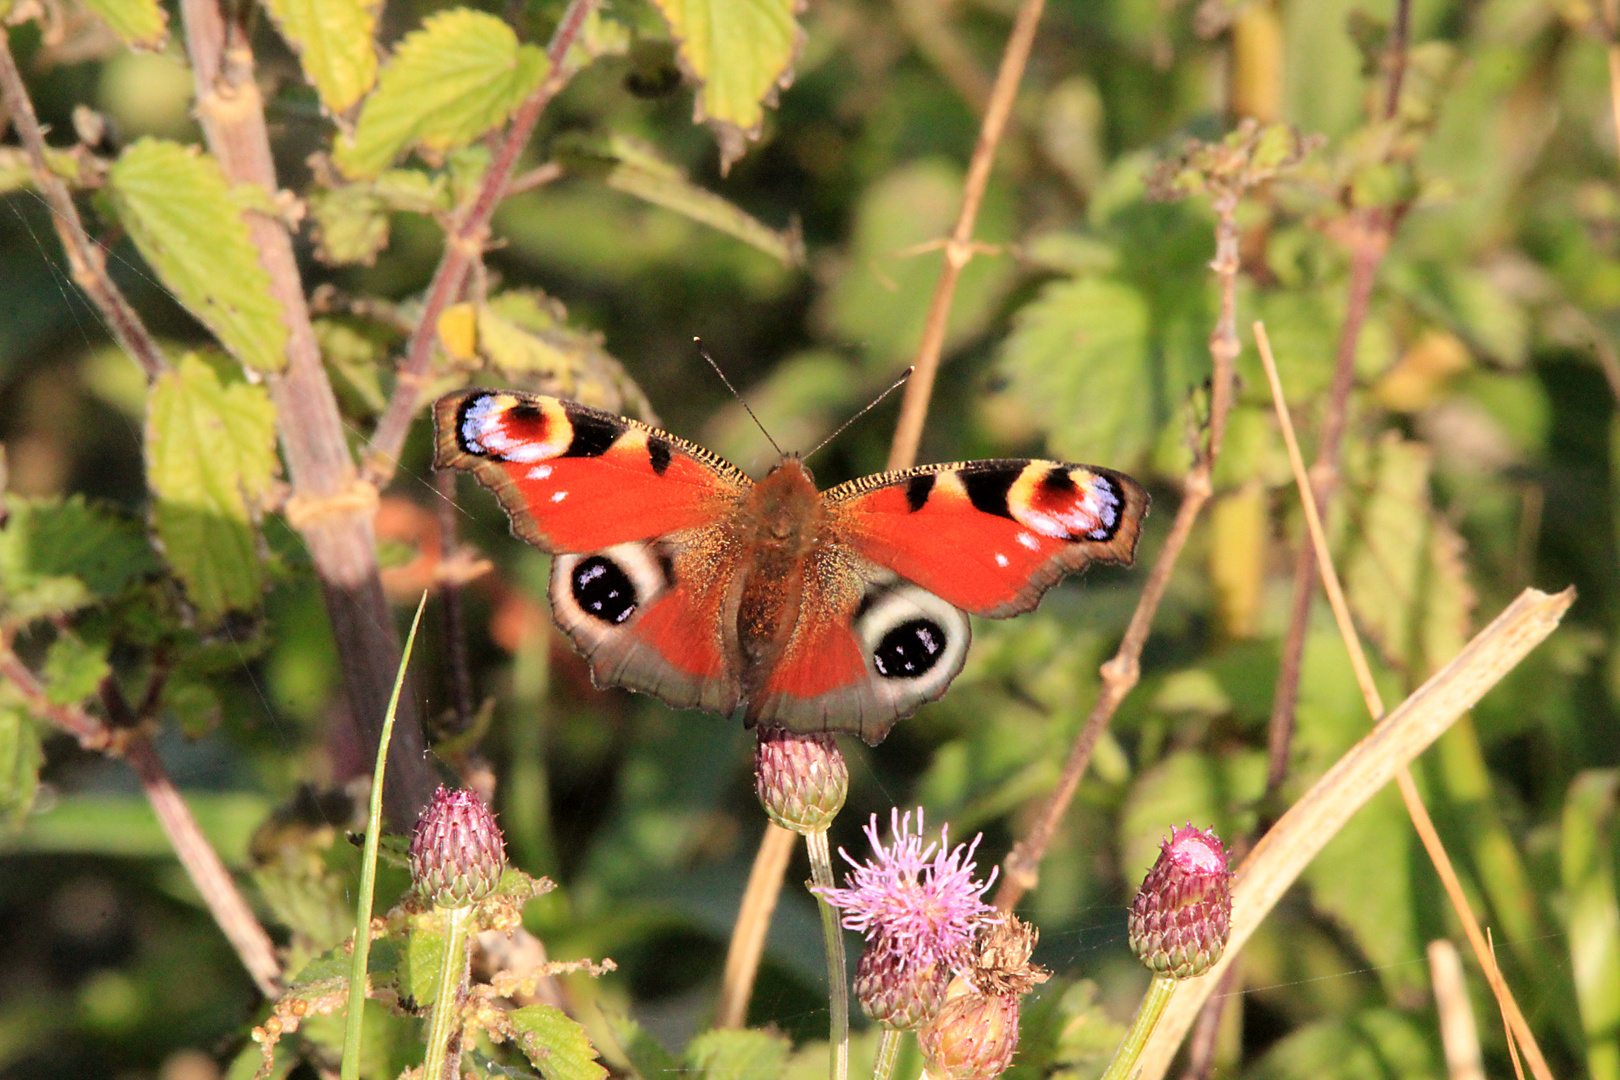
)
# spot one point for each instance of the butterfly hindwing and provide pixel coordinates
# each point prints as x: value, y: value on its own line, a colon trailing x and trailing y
x: 990, y: 537
x: 574, y: 479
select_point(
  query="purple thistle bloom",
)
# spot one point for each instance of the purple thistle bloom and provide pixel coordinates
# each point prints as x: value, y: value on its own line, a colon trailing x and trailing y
x: 918, y: 903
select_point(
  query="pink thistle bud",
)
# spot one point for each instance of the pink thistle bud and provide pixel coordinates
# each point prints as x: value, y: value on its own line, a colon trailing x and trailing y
x: 801, y: 779
x: 456, y: 856
x: 1182, y: 914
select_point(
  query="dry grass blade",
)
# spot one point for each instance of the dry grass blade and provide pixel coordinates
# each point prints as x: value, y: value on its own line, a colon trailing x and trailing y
x: 1458, y: 1034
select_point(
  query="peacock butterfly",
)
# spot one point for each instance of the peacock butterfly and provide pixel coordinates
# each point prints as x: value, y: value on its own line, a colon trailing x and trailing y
x: 843, y: 610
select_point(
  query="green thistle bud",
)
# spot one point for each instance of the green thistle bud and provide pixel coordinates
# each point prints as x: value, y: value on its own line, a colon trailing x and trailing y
x: 456, y: 856
x: 801, y: 779
x: 1182, y: 915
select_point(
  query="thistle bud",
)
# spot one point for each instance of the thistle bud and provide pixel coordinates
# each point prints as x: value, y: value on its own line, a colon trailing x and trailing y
x: 1182, y: 915
x: 897, y: 993
x: 801, y: 779
x: 973, y: 1035
x: 456, y: 855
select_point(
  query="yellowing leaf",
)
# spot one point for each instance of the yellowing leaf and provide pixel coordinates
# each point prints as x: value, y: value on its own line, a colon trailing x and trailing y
x: 210, y: 448
x: 742, y: 51
x: 458, y: 331
x: 333, y: 40
x: 142, y: 24
x: 181, y: 213
x: 457, y: 77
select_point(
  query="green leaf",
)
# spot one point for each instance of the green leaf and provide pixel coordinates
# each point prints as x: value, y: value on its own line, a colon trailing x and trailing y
x: 1078, y: 357
x: 632, y: 167
x: 188, y: 225
x: 74, y: 669
x: 194, y: 705
x: 350, y: 224
x: 742, y: 52
x: 142, y: 24
x: 58, y: 556
x: 334, y: 42
x: 648, y: 1058
x: 457, y: 77
x: 556, y: 1044
x: 1404, y: 572
x: 422, y: 957
x: 210, y: 451
x: 738, y: 1055
x: 1590, y: 856
x: 20, y: 758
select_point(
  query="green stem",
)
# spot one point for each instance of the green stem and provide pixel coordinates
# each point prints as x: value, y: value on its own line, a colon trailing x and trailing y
x: 1147, y: 1016
x: 888, y: 1052
x: 368, y: 871
x: 837, y: 968
x: 446, y: 1018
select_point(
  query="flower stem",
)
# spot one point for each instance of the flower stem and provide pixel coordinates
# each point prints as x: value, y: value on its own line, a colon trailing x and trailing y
x: 1147, y: 1015
x: 445, y: 1022
x: 888, y: 1052
x: 837, y: 970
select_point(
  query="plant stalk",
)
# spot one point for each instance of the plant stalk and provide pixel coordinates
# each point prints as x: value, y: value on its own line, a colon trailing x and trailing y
x: 888, y: 1053
x: 1147, y: 1018
x: 444, y: 1025
x: 821, y: 874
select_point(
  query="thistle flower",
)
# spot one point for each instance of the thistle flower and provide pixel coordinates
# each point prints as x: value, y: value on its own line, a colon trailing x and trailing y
x: 456, y: 856
x: 919, y: 908
x: 1182, y: 915
x: 801, y: 779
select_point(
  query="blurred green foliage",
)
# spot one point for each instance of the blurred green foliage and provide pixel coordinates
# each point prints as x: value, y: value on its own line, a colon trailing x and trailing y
x: 142, y: 547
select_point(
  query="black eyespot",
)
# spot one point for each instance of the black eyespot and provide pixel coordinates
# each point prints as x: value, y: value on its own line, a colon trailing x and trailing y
x: 909, y: 650
x: 604, y: 591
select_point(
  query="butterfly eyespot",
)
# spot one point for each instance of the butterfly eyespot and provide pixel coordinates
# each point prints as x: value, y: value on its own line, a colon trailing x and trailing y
x: 910, y: 649
x: 603, y: 590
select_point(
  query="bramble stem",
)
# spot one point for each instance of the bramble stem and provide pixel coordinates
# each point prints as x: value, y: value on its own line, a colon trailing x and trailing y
x: 837, y: 965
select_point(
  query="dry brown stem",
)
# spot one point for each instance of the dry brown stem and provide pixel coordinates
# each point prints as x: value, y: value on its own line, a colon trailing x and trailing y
x: 1459, y: 1036
x: 84, y: 255
x: 463, y: 248
x: 753, y: 923
x: 201, y: 863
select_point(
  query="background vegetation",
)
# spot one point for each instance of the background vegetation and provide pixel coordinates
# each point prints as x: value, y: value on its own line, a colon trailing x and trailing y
x: 1454, y: 237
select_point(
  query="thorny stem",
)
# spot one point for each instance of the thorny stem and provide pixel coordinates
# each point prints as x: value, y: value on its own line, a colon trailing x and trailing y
x: 463, y: 247
x: 837, y: 966
x: 888, y: 1053
x: 84, y: 255
x: 200, y: 861
x: 959, y: 248
x: 444, y: 1026
x: 1147, y: 1015
x: 329, y: 507
x: 1120, y: 674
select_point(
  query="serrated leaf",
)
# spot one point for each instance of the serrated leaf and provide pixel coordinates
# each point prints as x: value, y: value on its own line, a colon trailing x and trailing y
x: 334, y: 43
x: 556, y: 1044
x: 457, y: 77
x: 1590, y: 857
x: 632, y: 167
x: 420, y: 960
x: 74, y: 669
x: 738, y: 1055
x: 57, y: 556
x: 188, y: 226
x: 142, y: 24
x: 516, y: 351
x: 1078, y: 357
x: 210, y: 448
x: 20, y: 758
x: 742, y: 53
x: 1403, y: 569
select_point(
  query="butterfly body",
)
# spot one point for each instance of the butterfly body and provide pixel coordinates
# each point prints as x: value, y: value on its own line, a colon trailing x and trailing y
x: 843, y: 610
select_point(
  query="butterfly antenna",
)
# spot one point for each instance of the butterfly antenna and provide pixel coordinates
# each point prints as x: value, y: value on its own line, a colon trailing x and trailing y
x: 904, y: 375
x: 705, y: 354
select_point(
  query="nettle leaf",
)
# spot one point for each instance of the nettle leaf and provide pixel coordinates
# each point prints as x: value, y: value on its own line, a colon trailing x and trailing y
x: 188, y: 225
x: 142, y: 24
x: 20, y: 758
x: 58, y: 556
x: 1404, y: 572
x: 738, y: 1055
x: 742, y: 51
x: 210, y: 451
x: 556, y: 1044
x: 334, y: 43
x: 74, y: 669
x: 1079, y: 358
x: 457, y: 77
x: 634, y: 168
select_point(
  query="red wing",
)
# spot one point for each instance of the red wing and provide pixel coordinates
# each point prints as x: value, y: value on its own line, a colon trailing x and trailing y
x: 990, y: 536
x: 572, y: 478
